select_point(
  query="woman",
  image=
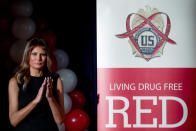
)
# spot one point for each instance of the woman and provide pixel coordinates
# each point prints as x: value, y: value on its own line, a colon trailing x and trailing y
x: 36, y: 101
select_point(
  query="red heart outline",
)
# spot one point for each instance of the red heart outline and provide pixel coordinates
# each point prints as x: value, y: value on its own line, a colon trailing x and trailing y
x: 130, y: 32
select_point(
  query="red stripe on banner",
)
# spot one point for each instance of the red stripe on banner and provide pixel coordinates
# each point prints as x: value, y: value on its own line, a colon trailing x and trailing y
x: 142, y: 99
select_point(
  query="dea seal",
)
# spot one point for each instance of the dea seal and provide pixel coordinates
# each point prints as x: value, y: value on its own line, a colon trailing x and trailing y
x: 146, y: 35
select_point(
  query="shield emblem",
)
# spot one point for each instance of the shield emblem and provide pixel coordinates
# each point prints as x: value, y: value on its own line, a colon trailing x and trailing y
x: 145, y: 32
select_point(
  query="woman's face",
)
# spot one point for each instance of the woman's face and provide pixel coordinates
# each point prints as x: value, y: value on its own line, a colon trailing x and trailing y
x: 37, y: 58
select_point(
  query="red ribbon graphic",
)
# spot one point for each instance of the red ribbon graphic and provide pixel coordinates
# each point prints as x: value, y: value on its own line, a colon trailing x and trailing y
x: 130, y: 32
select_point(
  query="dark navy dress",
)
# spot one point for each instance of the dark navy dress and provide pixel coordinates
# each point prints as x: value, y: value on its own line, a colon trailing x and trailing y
x: 40, y: 119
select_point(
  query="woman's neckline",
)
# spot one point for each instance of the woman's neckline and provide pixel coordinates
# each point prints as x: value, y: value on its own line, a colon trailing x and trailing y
x: 36, y: 76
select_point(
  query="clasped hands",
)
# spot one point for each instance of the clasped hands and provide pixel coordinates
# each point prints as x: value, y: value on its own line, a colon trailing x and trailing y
x: 47, y: 83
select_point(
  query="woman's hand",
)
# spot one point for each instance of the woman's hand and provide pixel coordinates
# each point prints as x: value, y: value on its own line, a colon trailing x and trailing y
x: 56, y: 105
x: 49, y: 93
x: 39, y: 96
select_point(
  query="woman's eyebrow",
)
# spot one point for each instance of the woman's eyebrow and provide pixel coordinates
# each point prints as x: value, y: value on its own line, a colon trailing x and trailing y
x: 38, y: 52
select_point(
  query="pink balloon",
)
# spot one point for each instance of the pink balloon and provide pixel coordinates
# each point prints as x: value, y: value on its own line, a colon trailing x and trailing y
x: 69, y: 79
x: 22, y: 8
x: 62, y: 58
x: 16, y: 51
x: 23, y: 28
x: 67, y: 103
x: 61, y: 127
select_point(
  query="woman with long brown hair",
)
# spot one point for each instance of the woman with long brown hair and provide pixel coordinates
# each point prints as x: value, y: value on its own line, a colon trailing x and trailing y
x: 36, y: 101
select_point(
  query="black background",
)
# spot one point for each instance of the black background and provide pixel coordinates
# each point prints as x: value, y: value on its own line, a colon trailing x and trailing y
x: 74, y: 23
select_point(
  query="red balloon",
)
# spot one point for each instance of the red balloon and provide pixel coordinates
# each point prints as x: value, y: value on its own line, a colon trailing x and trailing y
x: 78, y: 99
x: 50, y: 39
x: 5, y: 45
x: 76, y: 120
x: 5, y: 24
x: 41, y: 24
x: 54, y: 64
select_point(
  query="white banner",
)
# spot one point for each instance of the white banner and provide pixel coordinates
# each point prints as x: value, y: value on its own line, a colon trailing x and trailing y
x: 114, y: 52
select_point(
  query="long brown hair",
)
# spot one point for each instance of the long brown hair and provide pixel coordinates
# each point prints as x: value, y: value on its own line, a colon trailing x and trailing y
x: 23, y: 74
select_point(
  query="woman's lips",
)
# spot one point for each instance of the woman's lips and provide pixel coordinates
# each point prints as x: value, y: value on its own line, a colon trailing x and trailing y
x: 38, y: 63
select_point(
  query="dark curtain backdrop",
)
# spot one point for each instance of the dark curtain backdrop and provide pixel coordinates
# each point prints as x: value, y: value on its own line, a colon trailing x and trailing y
x: 74, y: 23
